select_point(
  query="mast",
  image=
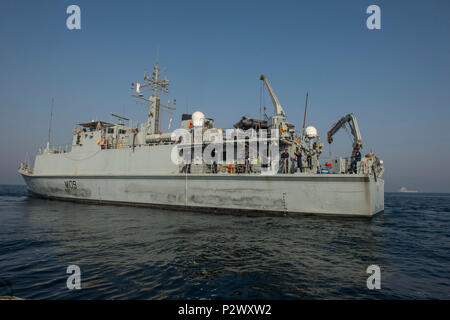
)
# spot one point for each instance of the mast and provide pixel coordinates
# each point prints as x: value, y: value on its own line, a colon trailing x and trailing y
x: 154, y: 101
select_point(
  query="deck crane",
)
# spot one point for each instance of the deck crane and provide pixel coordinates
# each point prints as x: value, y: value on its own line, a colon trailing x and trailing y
x: 276, y: 104
x: 353, y: 124
x: 310, y: 149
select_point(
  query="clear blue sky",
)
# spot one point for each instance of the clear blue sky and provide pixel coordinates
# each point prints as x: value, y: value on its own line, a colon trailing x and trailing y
x: 396, y: 80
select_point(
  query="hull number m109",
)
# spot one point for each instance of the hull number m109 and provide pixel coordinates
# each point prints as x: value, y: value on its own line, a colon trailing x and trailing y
x: 70, y: 184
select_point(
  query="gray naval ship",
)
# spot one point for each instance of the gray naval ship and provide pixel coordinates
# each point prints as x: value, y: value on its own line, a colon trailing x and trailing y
x: 116, y: 163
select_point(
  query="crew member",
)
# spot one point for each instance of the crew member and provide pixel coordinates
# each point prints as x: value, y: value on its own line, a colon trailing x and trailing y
x: 356, y: 158
x: 298, y: 154
x: 214, y: 164
x: 285, y: 161
x: 248, y: 165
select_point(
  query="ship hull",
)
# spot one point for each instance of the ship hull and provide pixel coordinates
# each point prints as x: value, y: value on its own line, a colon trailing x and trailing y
x: 326, y: 194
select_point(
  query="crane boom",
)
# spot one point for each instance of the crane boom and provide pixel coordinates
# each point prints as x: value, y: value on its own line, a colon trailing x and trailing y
x: 276, y: 104
x: 353, y: 124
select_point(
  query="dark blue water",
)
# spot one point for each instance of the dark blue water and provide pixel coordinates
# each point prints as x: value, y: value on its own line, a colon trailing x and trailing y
x: 140, y: 253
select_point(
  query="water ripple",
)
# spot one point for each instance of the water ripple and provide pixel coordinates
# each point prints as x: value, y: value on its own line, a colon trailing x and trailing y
x: 137, y: 253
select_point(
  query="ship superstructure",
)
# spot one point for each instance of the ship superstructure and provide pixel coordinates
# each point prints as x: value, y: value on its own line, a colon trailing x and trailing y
x: 114, y: 162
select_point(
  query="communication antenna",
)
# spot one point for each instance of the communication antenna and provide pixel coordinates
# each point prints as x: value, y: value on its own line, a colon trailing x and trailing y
x: 260, y: 104
x: 304, y: 118
x: 50, y: 124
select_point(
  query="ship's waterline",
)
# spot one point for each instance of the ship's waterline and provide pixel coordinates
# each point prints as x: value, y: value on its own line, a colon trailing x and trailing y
x: 356, y: 195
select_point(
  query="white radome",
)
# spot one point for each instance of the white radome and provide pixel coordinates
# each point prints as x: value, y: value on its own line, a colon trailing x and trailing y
x: 311, y: 132
x: 198, y: 118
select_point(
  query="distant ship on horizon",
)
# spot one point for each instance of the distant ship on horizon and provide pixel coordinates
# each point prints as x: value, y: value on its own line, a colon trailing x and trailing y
x: 404, y: 189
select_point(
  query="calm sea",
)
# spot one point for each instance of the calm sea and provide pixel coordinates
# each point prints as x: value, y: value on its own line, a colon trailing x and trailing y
x: 140, y: 253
